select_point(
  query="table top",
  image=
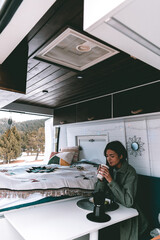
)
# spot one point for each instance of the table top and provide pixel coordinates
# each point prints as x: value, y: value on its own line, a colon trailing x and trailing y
x: 62, y: 220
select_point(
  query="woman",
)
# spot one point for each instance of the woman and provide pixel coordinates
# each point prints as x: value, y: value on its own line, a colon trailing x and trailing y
x: 121, y: 184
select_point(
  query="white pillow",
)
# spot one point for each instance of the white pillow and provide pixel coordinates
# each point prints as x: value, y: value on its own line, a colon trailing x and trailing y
x: 74, y: 149
x: 65, y: 158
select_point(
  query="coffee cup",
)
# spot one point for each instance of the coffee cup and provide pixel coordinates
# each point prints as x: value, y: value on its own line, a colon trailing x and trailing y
x: 99, y: 175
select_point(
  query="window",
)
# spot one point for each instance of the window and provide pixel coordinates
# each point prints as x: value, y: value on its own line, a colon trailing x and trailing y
x: 22, y: 138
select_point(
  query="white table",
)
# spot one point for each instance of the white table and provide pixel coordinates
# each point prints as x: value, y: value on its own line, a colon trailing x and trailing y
x: 61, y: 220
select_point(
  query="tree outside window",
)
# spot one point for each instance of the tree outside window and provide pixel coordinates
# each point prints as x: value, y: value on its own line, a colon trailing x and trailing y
x: 21, y: 139
x: 10, y: 145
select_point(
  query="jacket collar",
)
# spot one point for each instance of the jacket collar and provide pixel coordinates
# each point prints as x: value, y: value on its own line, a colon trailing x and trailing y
x: 123, y: 168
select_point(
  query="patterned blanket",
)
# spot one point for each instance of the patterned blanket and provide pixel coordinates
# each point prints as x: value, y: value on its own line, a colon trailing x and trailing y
x: 49, y: 180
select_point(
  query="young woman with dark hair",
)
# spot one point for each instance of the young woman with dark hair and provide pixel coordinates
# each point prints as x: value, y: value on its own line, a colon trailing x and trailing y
x: 122, y: 186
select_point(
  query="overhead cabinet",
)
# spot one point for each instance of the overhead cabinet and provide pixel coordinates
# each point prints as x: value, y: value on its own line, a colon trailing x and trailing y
x: 99, y: 108
x: 65, y: 115
x: 94, y: 110
x: 137, y: 101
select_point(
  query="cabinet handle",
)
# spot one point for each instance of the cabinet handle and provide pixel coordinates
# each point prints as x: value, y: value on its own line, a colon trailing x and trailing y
x: 136, y: 111
x: 90, y: 118
x: 62, y: 122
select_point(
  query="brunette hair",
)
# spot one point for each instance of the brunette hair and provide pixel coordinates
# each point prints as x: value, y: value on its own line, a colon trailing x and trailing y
x: 117, y: 147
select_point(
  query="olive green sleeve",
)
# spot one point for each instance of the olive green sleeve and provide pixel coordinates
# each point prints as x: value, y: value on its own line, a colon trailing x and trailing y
x: 125, y: 194
x: 100, y: 186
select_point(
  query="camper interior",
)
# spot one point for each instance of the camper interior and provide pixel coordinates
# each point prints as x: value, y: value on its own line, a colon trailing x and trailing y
x: 94, y: 70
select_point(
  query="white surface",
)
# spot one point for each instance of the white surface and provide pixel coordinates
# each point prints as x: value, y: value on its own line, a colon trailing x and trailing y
x: 7, y: 97
x: 93, y: 235
x: 154, y: 148
x: 96, y: 9
x: 113, y: 129
x: 26, y: 108
x: 7, y: 232
x: 12, y: 202
x: 49, y: 139
x: 142, y: 16
x: 26, y: 16
x: 92, y: 147
x: 62, y: 220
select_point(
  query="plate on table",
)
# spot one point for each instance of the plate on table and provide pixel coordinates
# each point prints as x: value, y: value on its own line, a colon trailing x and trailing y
x: 107, y: 200
x: 109, y: 205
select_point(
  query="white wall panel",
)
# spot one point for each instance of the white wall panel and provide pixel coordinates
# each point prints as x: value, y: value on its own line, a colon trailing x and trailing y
x: 63, y: 137
x: 146, y: 130
x: 49, y: 139
x: 154, y: 145
x: 114, y: 130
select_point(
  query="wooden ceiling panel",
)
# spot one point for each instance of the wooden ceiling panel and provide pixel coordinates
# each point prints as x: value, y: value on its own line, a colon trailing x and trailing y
x: 36, y: 70
x: 44, y: 77
x: 54, y: 87
x: 74, y: 92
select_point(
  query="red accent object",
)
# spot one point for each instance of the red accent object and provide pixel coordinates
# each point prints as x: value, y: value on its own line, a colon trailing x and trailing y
x: 52, y: 154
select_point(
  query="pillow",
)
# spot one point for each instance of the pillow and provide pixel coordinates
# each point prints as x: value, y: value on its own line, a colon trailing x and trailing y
x: 74, y: 149
x: 52, y: 154
x: 62, y: 158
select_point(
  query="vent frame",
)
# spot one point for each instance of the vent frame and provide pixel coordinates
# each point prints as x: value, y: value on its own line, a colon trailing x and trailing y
x: 42, y: 53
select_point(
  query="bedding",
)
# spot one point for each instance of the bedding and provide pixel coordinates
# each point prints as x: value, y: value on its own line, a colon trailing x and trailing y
x: 40, y: 181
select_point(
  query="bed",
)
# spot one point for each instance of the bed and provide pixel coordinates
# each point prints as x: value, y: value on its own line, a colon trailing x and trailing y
x: 62, y: 177
x: 24, y: 184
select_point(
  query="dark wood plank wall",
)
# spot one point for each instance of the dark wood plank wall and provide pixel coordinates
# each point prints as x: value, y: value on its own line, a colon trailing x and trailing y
x: 114, y: 74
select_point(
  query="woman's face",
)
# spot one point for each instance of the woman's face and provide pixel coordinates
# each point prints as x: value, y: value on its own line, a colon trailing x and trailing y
x: 113, y: 159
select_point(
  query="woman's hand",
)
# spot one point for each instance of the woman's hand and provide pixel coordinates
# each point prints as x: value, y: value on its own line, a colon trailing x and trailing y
x: 104, y: 171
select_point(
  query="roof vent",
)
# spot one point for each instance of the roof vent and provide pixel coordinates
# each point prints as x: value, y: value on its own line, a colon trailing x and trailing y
x: 75, y: 50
